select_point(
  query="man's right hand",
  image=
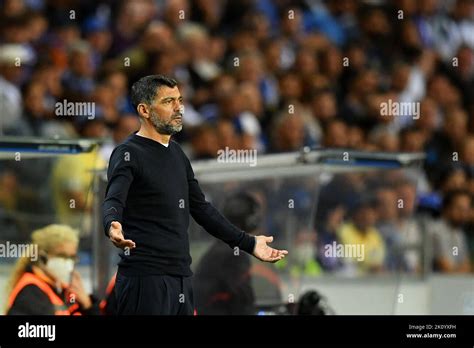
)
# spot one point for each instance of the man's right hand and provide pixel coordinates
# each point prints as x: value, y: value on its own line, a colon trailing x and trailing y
x: 116, y: 236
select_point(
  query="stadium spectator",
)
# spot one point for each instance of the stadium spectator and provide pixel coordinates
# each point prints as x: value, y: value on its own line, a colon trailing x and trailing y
x: 361, y: 231
x: 49, y: 285
x: 409, y: 226
x: 450, y: 248
x: 225, y: 287
x: 387, y: 224
x: 303, y: 261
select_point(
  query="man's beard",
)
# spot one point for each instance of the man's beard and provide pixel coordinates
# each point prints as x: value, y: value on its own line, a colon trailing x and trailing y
x: 163, y: 127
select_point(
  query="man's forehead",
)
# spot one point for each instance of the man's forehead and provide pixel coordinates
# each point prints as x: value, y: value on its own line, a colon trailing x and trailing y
x: 165, y: 91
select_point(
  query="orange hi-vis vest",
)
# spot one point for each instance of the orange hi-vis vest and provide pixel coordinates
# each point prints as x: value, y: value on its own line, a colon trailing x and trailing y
x: 28, y: 278
x: 108, y: 291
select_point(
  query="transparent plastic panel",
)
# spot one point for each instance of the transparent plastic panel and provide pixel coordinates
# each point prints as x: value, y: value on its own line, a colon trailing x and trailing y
x: 351, y: 237
x: 358, y: 239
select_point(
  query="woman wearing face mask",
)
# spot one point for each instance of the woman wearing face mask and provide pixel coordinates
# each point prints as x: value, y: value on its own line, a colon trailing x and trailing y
x: 49, y: 285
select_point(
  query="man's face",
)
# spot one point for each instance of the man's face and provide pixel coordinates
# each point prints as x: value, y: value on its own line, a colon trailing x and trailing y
x: 364, y: 218
x: 166, y: 111
x: 459, y: 211
x: 408, y: 194
x: 386, y: 207
x: 337, y: 135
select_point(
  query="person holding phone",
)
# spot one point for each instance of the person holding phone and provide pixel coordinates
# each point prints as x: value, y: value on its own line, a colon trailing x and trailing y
x: 48, y: 284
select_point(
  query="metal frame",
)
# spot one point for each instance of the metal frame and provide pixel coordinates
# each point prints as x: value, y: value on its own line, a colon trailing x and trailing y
x: 300, y: 163
x: 32, y: 147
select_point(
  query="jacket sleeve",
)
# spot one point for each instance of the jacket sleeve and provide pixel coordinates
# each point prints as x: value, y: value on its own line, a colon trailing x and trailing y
x: 211, y: 220
x: 120, y: 173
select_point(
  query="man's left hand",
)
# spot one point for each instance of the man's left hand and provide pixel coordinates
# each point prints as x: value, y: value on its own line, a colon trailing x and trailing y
x: 266, y: 253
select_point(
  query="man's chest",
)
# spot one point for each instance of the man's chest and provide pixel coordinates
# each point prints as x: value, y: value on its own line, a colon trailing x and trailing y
x: 162, y: 176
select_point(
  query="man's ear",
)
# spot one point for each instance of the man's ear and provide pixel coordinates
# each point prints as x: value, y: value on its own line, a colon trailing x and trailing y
x: 143, y: 110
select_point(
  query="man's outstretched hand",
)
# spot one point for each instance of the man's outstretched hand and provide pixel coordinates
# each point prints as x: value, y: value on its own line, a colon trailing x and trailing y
x: 266, y: 253
x: 116, y: 236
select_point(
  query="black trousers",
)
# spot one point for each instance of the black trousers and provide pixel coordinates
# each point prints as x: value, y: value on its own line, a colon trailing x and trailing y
x: 154, y: 295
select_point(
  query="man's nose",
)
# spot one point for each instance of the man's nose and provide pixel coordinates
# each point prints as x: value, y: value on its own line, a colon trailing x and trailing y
x: 176, y: 106
x: 179, y: 108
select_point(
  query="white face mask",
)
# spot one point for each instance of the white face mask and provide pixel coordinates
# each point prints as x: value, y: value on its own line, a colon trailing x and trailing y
x: 304, y: 253
x: 61, y: 268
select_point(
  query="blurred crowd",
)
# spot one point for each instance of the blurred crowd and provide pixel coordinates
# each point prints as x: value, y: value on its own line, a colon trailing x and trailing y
x: 271, y: 75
